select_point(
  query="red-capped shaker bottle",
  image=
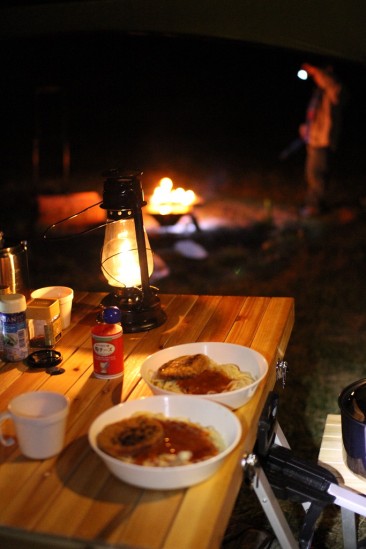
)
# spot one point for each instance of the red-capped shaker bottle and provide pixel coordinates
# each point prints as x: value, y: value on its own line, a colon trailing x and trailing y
x: 107, y: 342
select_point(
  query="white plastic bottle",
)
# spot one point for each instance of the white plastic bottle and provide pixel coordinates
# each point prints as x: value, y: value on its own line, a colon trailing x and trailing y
x: 13, y: 327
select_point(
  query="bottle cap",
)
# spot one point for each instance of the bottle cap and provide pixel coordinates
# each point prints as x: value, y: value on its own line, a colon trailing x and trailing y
x: 12, y: 303
x: 111, y: 315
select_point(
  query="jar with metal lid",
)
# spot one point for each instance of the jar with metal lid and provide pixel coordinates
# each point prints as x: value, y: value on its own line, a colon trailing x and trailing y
x: 13, y: 327
x: 44, y: 322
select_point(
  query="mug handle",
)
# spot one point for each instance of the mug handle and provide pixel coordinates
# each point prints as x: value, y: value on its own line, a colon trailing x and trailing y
x: 5, y: 441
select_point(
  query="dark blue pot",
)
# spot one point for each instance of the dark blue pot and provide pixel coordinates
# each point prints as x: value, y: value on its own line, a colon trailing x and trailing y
x: 352, y: 403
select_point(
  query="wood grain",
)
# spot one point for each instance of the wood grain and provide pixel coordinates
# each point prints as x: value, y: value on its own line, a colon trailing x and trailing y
x: 73, y: 496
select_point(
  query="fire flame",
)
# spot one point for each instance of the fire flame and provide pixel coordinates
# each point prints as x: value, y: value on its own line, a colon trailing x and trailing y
x: 167, y: 200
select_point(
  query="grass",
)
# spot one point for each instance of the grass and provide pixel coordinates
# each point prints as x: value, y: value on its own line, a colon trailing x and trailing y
x: 327, y: 351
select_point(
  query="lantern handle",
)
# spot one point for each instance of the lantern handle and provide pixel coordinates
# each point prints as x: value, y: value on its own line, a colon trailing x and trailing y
x: 72, y: 216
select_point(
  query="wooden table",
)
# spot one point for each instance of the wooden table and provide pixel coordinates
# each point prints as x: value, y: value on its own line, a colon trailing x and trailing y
x: 73, y: 496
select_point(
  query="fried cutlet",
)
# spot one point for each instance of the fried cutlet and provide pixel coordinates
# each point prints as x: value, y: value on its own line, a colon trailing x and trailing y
x: 184, y: 366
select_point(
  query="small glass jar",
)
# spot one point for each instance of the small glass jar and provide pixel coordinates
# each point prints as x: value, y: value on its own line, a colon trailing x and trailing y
x: 44, y: 322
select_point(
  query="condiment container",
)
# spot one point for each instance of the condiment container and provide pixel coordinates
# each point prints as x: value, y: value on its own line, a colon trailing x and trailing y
x: 13, y: 327
x: 44, y: 322
x: 107, y: 343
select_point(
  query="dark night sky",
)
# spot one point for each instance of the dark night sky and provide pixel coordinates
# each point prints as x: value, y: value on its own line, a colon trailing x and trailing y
x: 150, y: 101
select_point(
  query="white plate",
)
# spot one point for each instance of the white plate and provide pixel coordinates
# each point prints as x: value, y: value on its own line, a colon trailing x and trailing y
x: 196, y: 410
x: 245, y: 358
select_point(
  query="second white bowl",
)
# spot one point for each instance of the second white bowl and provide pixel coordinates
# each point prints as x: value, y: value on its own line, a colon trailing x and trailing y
x: 245, y: 358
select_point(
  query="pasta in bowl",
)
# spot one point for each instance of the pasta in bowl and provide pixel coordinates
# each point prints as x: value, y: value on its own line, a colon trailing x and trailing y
x: 224, y: 372
x: 201, y: 433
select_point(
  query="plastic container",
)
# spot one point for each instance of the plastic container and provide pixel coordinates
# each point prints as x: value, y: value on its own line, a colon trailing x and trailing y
x: 107, y: 343
x: 65, y: 296
x: 13, y: 327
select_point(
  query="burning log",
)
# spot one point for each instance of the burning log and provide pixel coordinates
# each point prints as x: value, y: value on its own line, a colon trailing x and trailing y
x: 167, y: 204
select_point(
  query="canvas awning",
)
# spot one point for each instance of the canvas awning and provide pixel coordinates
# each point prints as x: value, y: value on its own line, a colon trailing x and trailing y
x: 328, y: 27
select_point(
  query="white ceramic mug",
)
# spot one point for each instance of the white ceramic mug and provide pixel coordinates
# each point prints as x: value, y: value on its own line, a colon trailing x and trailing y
x: 65, y: 296
x: 39, y: 419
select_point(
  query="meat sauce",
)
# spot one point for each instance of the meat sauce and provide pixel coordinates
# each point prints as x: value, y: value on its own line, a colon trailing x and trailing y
x: 208, y: 381
x: 179, y: 436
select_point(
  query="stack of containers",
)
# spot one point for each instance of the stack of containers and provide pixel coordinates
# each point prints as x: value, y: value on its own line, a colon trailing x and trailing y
x: 22, y: 325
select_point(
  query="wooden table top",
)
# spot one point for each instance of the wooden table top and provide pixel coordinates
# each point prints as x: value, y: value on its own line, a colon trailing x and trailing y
x: 73, y: 496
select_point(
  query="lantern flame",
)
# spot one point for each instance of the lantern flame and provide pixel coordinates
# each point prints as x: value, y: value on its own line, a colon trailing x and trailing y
x: 120, y: 258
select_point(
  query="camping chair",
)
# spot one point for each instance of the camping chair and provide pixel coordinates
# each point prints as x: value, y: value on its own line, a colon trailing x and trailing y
x: 275, y: 473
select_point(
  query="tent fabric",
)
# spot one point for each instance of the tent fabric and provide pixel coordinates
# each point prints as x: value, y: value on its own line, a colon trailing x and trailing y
x: 333, y: 28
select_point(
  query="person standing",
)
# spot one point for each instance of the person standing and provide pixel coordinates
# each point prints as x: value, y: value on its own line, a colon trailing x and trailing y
x: 320, y: 132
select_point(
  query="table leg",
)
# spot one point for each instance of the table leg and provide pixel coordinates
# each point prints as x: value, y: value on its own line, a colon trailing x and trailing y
x: 273, y: 511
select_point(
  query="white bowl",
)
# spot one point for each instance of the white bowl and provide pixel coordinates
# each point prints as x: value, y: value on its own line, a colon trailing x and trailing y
x: 245, y: 358
x: 196, y: 410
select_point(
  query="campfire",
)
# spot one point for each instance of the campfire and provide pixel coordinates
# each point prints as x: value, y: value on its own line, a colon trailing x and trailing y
x: 168, y: 204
